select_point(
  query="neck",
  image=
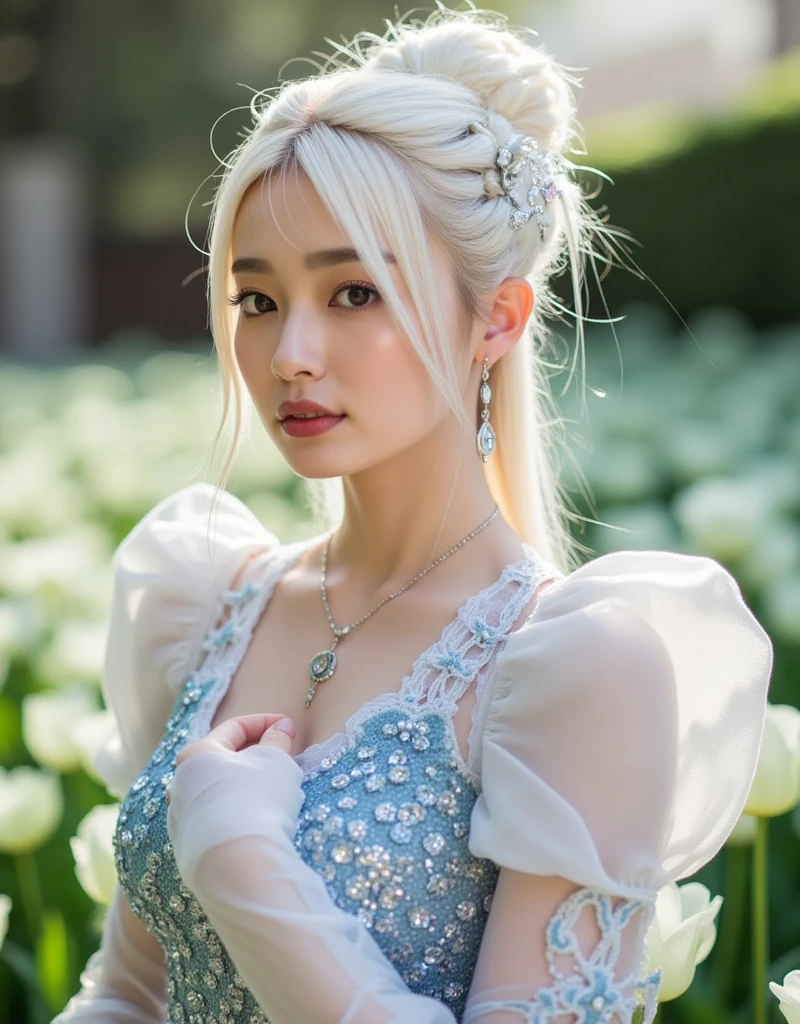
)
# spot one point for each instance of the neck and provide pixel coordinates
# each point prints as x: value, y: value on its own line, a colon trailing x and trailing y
x: 405, y: 513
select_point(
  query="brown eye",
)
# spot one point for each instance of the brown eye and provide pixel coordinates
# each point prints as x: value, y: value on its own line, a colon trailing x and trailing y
x: 256, y: 303
x: 357, y: 295
x: 252, y: 303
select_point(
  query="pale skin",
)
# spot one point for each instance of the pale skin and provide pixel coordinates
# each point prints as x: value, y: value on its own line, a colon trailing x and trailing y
x: 324, y: 333
x: 340, y: 347
x: 414, y: 486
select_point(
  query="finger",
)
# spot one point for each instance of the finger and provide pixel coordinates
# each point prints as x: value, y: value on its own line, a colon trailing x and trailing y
x: 242, y: 731
x: 280, y: 735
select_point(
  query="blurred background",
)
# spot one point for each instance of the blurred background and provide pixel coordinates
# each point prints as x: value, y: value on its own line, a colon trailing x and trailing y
x: 106, y: 112
x: 108, y: 395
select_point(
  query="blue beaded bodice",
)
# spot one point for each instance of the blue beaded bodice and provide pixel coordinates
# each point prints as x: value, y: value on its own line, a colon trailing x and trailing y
x: 385, y: 820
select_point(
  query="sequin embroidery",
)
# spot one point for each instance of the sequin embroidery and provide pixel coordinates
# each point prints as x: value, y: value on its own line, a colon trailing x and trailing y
x: 385, y: 820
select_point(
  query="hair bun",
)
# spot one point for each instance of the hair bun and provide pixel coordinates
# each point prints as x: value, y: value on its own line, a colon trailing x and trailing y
x: 514, y: 79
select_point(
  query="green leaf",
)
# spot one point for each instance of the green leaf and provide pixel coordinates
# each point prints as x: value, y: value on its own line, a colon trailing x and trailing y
x: 789, y: 961
x: 52, y: 959
x: 699, y: 1007
x: 23, y: 963
x: 10, y: 729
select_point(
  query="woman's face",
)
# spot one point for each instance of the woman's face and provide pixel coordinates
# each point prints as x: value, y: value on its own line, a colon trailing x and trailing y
x: 311, y: 324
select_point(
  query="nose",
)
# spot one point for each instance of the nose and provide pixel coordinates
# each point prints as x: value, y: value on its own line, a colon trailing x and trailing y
x: 300, y: 348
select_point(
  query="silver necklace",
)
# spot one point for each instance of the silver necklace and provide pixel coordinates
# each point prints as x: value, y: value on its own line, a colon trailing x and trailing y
x: 323, y: 665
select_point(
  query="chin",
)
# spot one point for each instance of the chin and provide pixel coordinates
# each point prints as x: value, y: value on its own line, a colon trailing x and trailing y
x: 326, y: 465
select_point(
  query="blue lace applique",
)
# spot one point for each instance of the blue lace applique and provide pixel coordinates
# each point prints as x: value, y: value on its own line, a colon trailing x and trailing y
x: 215, y: 639
x: 452, y: 661
x: 238, y: 596
x: 219, y: 637
x: 486, y: 635
x: 590, y: 992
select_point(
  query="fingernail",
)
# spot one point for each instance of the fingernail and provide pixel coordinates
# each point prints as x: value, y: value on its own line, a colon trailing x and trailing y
x: 285, y: 725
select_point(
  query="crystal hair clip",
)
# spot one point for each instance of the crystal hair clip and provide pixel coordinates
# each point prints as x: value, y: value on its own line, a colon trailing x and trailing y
x: 512, y: 157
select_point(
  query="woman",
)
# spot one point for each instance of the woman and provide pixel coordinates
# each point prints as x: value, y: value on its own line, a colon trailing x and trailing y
x: 303, y: 838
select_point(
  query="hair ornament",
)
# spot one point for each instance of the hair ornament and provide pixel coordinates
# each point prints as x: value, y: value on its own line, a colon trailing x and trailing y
x: 518, y: 152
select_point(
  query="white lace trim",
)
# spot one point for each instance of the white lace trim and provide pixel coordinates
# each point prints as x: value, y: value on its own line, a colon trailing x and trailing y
x: 467, y: 647
x: 590, y: 993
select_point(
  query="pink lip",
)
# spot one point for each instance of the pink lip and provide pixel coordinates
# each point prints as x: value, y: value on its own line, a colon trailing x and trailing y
x: 302, y: 405
x: 310, y: 428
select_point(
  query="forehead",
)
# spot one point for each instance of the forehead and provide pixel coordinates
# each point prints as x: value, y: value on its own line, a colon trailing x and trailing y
x: 283, y: 210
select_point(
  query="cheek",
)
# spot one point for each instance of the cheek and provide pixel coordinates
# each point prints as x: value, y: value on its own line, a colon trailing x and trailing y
x: 249, y: 358
x: 392, y: 382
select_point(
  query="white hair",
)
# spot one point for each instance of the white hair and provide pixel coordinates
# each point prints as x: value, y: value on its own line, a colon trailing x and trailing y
x: 398, y: 134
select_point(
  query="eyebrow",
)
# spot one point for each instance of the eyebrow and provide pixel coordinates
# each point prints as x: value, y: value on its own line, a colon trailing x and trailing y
x: 312, y: 260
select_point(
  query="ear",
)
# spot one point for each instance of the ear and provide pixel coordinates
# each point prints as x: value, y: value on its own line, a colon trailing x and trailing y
x: 510, y: 312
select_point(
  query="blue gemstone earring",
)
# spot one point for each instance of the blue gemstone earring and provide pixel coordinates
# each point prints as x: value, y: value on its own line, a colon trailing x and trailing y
x: 486, y: 438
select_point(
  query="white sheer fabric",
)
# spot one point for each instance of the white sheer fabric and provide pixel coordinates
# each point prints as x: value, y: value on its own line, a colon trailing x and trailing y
x: 618, y: 749
x: 625, y: 724
x: 167, y: 580
x: 168, y: 577
x: 303, y: 958
x: 123, y: 980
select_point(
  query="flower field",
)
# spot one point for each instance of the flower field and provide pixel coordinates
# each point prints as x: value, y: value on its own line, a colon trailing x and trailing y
x: 695, y: 447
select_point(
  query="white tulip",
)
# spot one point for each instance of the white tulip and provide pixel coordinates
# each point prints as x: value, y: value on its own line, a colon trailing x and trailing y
x: 89, y: 735
x: 775, y: 556
x: 777, y: 475
x: 92, y: 591
x: 681, y: 935
x: 722, y: 517
x: 47, y: 722
x: 698, y: 448
x: 5, y: 910
x: 37, y: 495
x: 37, y: 565
x: 93, y: 850
x: 648, y: 522
x: 782, y: 608
x: 776, y: 786
x: 31, y: 805
x: 744, y: 831
x: 626, y: 472
x: 76, y: 653
x: 9, y: 629
x: 789, y: 995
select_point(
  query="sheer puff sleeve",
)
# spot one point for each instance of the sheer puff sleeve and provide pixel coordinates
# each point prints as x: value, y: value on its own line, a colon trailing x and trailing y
x: 168, y: 574
x: 619, y: 748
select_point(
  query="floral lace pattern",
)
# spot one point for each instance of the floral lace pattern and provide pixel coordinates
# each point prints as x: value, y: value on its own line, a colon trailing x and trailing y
x: 466, y: 649
x: 590, y: 992
x: 384, y: 822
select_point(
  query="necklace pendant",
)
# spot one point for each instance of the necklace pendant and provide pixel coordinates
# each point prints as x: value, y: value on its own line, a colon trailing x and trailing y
x: 322, y: 667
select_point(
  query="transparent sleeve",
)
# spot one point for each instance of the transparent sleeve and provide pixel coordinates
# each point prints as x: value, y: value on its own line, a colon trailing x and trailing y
x: 123, y: 980
x: 617, y: 755
x: 231, y: 819
x: 607, y: 771
x: 168, y: 573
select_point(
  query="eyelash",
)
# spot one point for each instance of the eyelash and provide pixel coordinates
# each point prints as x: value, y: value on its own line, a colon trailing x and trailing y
x: 238, y: 298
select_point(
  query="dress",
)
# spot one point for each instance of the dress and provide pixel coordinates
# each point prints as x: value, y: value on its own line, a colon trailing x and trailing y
x: 613, y: 742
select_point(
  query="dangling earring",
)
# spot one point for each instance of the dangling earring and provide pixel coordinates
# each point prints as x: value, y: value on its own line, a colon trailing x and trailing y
x: 486, y: 438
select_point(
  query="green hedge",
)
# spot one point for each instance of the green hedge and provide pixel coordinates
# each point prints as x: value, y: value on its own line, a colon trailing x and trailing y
x: 713, y: 202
